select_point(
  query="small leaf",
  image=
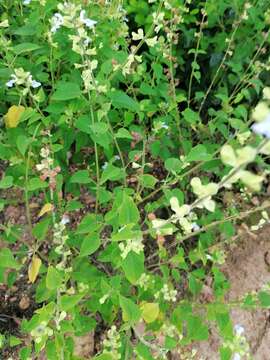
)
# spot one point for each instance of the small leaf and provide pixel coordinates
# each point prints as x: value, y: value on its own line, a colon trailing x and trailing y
x: 7, y: 259
x: 133, y: 266
x: 150, y: 312
x: 22, y: 143
x: 131, y: 311
x: 6, y: 182
x: 35, y: 184
x: 81, y: 177
x: 45, y: 209
x: 128, y: 211
x: 25, y: 47
x: 90, y: 244
x: 53, y: 278
x: 112, y: 173
x: 12, y: 117
x: 199, y: 153
x: 33, y: 269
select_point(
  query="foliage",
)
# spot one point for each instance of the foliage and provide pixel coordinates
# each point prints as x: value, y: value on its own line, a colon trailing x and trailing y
x: 146, y: 108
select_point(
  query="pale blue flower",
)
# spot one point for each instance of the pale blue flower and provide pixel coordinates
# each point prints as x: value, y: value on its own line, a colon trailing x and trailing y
x: 262, y: 127
x: 88, y: 22
x: 236, y: 356
x: 35, y: 84
x: 10, y: 83
x: 56, y: 21
x: 239, y: 329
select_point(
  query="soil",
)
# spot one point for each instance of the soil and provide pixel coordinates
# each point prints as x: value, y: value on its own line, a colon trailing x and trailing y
x: 248, y: 269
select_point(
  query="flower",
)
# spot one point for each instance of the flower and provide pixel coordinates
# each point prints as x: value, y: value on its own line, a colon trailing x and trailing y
x: 236, y: 356
x: 56, y: 21
x: 26, y: 2
x: 262, y: 127
x: 10, y: 83
x: 86, y: 21
x: 239, y: 329
x: 35, y: 84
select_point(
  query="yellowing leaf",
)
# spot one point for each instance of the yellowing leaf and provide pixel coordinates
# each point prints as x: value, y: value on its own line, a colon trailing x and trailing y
x: 33, y: 269
x: 12, y: 117
x: 150, y: 312
x: 46, y: 208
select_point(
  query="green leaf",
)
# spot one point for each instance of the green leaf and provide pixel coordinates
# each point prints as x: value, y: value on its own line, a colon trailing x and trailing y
x: 199, y: 153
x: 148, y: 181
x: 6, y: 182
x: 22, y: 143
x: 53, y: 279
x: 89, y: 223
x: 128, y: 211
x: 81, y: 177
x: 36, y: 184
x: 264, y: 298
x: 66, y: 91
x: 90, y: 244
x: 196, y: 329
x: 41, y: 228
x: 111, y: 173
x: 150, y: 312
x: 191, y: 116
x: 173, y: 164
x: 131, y: 311
x: 25, y: 47
x: 7, y: 259
x: 68, y: 302
x: 83, y: 123
x: 123, y: 133
x: 133, y: 266
x: 121, y: 100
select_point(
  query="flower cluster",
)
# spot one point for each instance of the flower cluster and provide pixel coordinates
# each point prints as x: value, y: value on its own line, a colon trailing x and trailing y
x: 21, y: 77
x: 144, y: 281
x: 46, y: 168
x: 112, y: 344
x: 135, y: 245
x: 263, y: 221
x: 167, y: 293
x: 41, y: 332
x: 239, y: 345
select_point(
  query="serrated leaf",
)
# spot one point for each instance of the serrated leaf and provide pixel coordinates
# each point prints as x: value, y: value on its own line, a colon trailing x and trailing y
x: 199, y: 153
x: 90, y: 244
x: 25, y: 47
x: 66, y: 91
x: 121, y: 100
x: 128, y: 211
x: 33, y: 269
x: 131, y: 311
x: 133, y: 266
x: 53, y: 278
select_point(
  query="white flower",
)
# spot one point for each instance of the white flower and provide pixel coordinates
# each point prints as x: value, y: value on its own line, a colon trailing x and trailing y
x: 263, y: 127
x: 104, y: 165
x: 236, y: 356
x: 65, y: 220
x: 239, y: 329
x: 26, y: 2
x: 56, y: 21
x: 88, y: 22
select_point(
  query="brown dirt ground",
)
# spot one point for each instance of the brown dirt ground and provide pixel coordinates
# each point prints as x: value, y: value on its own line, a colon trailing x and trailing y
x: 248, y: 269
